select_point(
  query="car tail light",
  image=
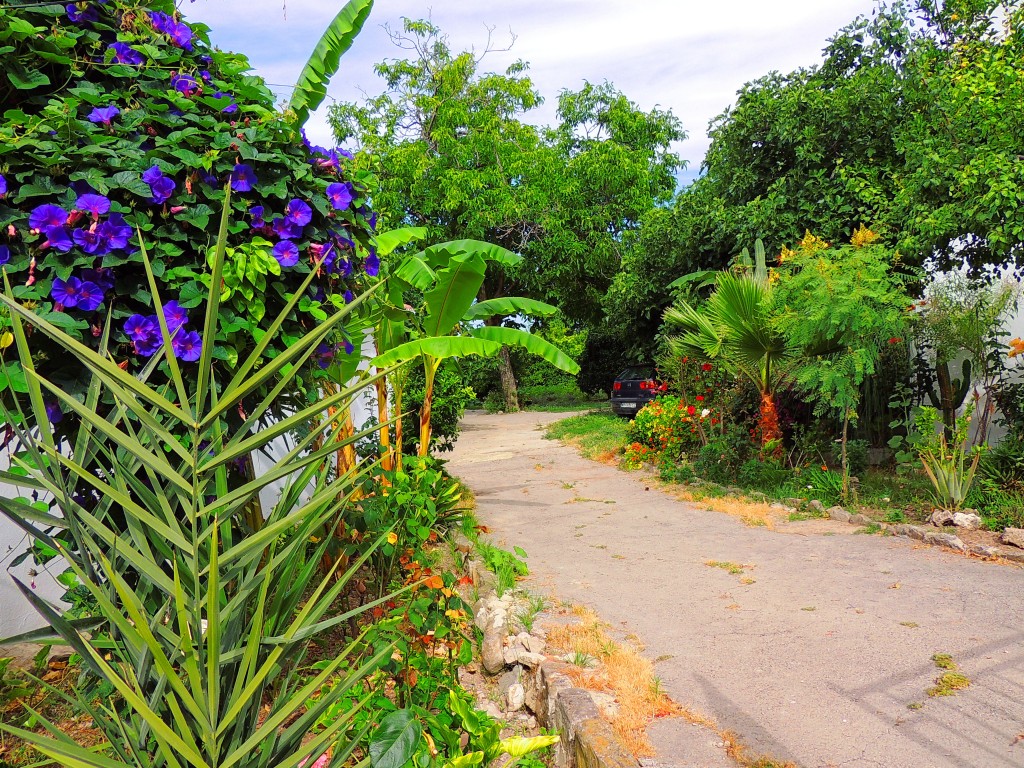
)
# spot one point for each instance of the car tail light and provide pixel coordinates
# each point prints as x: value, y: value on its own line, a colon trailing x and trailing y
x: 617, y: 386
x: 648, y: 385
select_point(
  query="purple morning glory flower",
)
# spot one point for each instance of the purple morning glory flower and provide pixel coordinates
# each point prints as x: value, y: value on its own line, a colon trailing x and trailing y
x: 125, y: 54
x: 185, y: 84
x: 340, y: 195
x: 89, y: 297
x: 256, y: 212
x: 53, y: 412
x: 181, y: 35
x: 205, y: 74
x: 89, y: 241
x: 115, y: 232
x: 242, y: 178
x: 298, y: 212
x: 139, y: 327
x: 348, y: 347
x: 45, y: 216
x: 3, y: 185
x: 5, y: 255
x: 104, y: 114
x: 94, y: 204
x: 66, y: 292
x: 325, y: 355
x: 209, y: 179
x: 372, y: 221
x: 162, y: 189
x: 58, y: 238
x: 285, y: 229
x: 188, y: 346
x: 348, y: 297
x: 286, y: 253
x: 174, y: 316
x: 372, y: 264
x: 81, y: 12
x: 152, y: 174
x: 160, y: 21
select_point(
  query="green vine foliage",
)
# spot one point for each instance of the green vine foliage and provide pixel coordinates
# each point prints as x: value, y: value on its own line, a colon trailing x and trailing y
x: 120, y: 118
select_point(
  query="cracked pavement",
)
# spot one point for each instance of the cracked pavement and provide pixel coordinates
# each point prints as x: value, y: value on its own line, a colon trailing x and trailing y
x: 817, y: 660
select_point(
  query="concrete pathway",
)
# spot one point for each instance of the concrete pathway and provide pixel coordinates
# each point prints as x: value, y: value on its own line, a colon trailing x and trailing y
x: 823, y: 660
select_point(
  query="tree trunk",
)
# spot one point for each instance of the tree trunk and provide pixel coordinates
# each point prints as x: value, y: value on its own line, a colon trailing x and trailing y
x: 946, y: 404
x: 509, y: 390
x: 768, y: 425
x: 845, y: 465
x: 430, y: 368
x: 386, y: 458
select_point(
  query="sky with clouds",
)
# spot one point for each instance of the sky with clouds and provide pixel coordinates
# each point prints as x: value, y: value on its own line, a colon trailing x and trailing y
x: 684, y: 55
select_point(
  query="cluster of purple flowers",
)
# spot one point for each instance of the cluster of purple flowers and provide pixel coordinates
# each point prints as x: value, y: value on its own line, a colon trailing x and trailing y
x: 325, y: 352
x: 179, y: 32
x: 83, y: 12
x: 144, y: 333
x: 86, y: 292
x: 161, y: 187
x: 186, y: 85
x: 96, y: 237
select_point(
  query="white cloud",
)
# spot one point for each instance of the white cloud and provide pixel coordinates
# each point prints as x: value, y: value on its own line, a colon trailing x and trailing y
x: 690, y: 57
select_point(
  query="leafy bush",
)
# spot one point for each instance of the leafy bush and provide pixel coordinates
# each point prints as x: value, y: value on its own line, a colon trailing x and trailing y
x: 822, y: 484
x: 566, y: 393
x: 671, y: 427
x: 122, y: 119
x: 763, y: 474
x: 720, y: 460
x: 857, y: 456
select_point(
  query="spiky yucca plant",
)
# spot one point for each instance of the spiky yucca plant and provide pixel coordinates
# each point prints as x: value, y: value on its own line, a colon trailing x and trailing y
x: 202, y: 619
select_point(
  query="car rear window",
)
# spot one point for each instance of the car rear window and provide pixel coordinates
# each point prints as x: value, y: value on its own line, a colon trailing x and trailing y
x: 637, y: 373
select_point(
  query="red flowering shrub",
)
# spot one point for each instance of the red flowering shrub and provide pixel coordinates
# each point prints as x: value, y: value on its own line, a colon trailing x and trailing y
x: 671, y: 427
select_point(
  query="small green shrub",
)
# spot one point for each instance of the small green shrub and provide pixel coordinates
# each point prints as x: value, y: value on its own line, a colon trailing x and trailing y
x: 720, y: 459
x: 822, y: 484
x: 566, y: 393
x: 766, y: 474
x: 676, y: 471
x: 857, y: 456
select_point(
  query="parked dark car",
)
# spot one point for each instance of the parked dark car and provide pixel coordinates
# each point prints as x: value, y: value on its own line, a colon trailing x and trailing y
x: 634, y: 388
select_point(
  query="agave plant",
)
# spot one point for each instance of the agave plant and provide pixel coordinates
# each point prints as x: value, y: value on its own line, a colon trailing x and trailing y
x: 202, y: 620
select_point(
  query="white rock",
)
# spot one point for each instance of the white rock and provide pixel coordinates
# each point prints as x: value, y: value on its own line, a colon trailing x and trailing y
x: 481, y: 616
x: 966, y: 520
x: 528, y: 659
x: 534, y: 644
x: 515, y: 697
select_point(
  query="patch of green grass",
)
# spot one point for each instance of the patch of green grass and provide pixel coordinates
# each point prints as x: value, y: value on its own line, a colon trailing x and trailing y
x: 949, y: 684
x: 734, y: 568
x: 806, y: 514
x: 528, y: 615
x: 870, y: 528
x: 944, y: 661
x: 596, y: 435
x: 896, y: 516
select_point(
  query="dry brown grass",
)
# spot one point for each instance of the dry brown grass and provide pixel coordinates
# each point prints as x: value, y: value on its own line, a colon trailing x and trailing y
x: 757, y: 514
x: 629, y: 677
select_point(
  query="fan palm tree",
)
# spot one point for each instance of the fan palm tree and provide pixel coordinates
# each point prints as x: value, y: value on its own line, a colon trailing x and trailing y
x: 733, y: 328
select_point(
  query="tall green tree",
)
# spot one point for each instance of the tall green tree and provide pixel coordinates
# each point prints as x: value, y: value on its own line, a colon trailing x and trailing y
x: 451, y: 151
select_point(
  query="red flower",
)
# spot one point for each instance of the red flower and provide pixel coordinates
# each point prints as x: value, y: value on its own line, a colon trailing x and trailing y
x: 895, y: 340
x: 706, y: 367
x: 690, y: 410
x: 700, y: 398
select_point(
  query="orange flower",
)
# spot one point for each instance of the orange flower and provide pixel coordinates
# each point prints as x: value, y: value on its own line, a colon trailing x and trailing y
x: 1016, y: 347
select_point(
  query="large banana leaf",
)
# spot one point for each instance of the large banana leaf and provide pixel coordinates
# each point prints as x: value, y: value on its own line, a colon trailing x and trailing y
x: 509, y: 305
x: 453, y: 294
x: 439, y: 348
x: 535, y: 345
x: 388, y: 241
x: 311, y: 87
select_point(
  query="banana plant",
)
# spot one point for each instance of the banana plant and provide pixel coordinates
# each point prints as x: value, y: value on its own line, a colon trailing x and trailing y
x: 202, y: 621
x: 447, y: 324
x: 322, y: 65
